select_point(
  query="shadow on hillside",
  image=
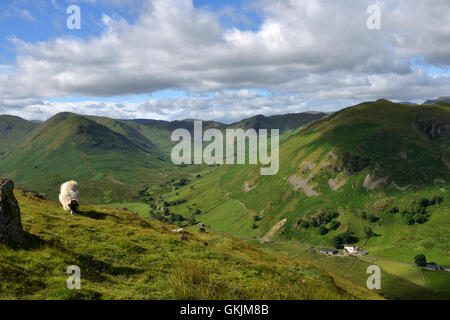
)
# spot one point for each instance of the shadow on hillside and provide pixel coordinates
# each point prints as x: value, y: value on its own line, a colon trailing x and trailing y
x: 93, y: 214
x: 93, y: 269
x: 31, y: 242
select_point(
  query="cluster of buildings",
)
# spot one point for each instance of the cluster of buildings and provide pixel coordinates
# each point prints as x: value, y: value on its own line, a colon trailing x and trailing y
x: 348, y: 250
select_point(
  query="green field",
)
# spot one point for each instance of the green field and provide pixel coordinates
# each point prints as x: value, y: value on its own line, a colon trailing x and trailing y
x: 438, y: 282
x: 398, y: 280
x: 376, y: 173
x: 230, y: 217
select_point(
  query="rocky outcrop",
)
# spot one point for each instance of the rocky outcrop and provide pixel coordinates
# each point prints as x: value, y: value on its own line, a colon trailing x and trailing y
x: 370, y: 184
x: 433, y: 129
x: 11, y: 231
x: 301, y: 183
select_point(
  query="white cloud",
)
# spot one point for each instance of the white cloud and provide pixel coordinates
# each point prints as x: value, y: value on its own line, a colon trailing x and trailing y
x: 226, y: 106
x: 314, y: 49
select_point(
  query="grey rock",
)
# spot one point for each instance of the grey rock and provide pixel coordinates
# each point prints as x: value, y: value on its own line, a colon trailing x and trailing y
x: 11, y: 230
x: 433, y: 129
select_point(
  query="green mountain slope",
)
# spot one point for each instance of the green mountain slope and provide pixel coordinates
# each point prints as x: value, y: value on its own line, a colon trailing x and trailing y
x: 440, y: 99
x: 70, y: 146
x: 285, y: 122
x: 111, y: 159
x: 122, y: 256
x: 14, y: 130
x: 377, y: 174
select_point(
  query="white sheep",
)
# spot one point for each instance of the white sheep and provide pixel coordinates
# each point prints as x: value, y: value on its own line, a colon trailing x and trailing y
x: 69, y: 196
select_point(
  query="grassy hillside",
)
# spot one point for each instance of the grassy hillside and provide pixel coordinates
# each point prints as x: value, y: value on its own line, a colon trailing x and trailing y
x: 378, y: 171
x: 122, y: 256
x: 14, y: 130
x: 109, y: 164
x: 113, y: 160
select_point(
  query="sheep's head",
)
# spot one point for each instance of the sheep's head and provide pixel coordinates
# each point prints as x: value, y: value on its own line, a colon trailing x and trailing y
x: 73, y: 205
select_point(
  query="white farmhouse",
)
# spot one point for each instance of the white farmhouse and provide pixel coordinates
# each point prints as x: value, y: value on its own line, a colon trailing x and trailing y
x: 351, y: 249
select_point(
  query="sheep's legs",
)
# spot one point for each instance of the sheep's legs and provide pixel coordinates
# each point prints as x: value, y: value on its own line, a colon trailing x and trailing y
x: 71, y: 212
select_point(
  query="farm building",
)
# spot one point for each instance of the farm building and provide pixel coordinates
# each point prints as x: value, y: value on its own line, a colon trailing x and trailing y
x: 432, y: 267
x: 351, y: 249
x: 328, y: 251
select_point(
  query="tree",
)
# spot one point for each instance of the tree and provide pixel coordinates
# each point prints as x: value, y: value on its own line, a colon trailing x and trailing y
x: 420, y: 218
x: 323, y: 230
x: 344, y: 238
x: 420, y: 260
x: 305, y: 224
x: 409, y: 219
x: 338, y: 242
x: 369, y: 232
x: 394, y: 210
x: 334, y: 225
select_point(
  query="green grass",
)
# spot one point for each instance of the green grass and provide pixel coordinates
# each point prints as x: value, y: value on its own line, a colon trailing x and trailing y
x: 230, y: 217
x: 378, y: 131
x: 398, y: 280
x: 438, y: 282
x: 122, y: 256
x: 141, y: 208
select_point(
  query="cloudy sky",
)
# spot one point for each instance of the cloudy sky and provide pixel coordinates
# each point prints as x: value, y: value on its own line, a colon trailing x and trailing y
x: 220, y: 60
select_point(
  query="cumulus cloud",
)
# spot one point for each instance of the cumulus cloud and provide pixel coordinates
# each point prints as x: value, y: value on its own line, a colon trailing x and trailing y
x: 226, y: 106
x: 314, y: 49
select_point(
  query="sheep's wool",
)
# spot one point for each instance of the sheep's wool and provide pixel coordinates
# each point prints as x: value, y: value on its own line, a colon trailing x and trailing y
x: 69, y: 192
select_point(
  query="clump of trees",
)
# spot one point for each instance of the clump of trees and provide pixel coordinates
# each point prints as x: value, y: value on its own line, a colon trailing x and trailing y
x: 344, y: 238
x: 321, y: 221
x: 334, y: 225
x: 369, y: 232
x: 174, y: 203
x: 418, y: 210
x: 181, y: 182
x: 371, y: 217
x: 420, y: 260
x: 168, y: 217
x: 322, y: 230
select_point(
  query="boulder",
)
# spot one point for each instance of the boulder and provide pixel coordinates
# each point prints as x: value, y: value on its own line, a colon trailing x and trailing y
x: 11, y: 230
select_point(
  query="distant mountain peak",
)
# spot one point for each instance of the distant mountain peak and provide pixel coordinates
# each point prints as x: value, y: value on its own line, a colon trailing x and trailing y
x: 440, y: 99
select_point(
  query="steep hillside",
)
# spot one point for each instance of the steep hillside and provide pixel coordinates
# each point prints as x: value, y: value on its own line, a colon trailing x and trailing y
x: 121, y: 256
x: 440, y: 99
x: 285, y: 122
x: 14, y: 130
x: 70, y: 146
x: 376, y: 174
x: 112, y: 159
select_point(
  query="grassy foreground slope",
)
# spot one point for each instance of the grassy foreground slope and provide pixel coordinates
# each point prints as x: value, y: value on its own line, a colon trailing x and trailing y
x: 122, y: 256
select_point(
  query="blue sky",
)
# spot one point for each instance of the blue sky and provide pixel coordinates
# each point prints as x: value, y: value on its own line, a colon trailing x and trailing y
x: 37, y: 21
x: 218, y: 60
x: 34, y: 20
